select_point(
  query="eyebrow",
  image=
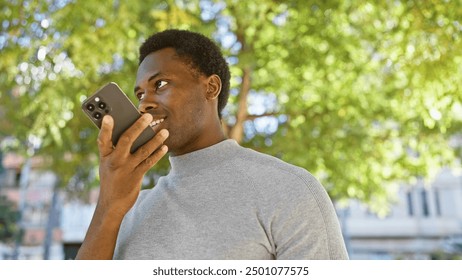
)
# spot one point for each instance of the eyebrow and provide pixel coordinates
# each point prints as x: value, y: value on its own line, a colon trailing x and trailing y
x: 150, y: 79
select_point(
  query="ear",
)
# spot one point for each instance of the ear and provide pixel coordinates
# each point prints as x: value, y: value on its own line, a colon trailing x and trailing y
x: 213, y: 87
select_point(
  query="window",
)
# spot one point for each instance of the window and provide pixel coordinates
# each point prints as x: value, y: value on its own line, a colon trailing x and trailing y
x: 437, y: 203
x: 410, y: 206
x: 425, y: 210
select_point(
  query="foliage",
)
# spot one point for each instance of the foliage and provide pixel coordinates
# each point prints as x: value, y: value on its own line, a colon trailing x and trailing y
x: 361, y: 94
x: 9, y: 216
x: 441, y: 255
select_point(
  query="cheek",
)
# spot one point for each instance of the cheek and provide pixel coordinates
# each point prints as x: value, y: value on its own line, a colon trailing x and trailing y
x: 187, y: 115
x: 194, y: 107
x: 187, y: 107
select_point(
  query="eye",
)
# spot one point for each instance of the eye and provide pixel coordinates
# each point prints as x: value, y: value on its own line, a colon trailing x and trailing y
x: 160, y: 84
x: 140, y: 95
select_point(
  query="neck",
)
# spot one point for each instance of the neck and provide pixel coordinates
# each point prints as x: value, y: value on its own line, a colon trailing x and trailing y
x: 210, y: 157
x: 213, y: 135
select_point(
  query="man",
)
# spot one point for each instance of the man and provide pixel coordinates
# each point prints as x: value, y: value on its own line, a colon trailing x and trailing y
x: 219, y: 200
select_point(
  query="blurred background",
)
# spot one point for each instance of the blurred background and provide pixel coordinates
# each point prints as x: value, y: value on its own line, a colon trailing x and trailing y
x: 366, y: 95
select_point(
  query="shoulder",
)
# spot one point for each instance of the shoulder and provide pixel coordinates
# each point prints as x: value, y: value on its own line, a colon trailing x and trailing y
x: 295, y: 208
x: 266, y: 167
x: 281, y: 184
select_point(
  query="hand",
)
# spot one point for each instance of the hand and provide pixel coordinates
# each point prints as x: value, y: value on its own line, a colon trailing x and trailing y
x: 121, y: 172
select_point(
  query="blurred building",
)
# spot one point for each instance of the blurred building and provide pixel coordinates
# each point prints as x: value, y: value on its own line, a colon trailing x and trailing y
x: 427, y: 218
x: 75, y: 219
x: 33, y: 197
x: 53, y: 228
x: 426, y: 221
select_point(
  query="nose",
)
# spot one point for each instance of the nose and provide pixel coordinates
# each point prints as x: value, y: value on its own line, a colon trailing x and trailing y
x: 146, y: 106
x: 147, y: 103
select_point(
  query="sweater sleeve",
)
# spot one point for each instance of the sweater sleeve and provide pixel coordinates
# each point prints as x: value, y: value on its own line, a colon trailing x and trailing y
x: 305, y: 224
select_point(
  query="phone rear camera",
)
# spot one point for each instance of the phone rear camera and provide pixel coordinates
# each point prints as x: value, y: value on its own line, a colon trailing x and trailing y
x: 102, y: 105
x: 90, y: 107
x: 97, y: 115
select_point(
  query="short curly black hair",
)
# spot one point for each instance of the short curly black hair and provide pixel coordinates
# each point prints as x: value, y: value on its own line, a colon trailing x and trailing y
x: 201, y: 53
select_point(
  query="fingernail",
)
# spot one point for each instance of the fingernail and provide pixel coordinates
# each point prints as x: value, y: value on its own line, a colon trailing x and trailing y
x: 107, y: 119
x: 147, y: 117
x: 164, y: 133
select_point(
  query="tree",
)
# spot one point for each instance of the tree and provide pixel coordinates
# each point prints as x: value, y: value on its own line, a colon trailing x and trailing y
x: 9, y: 216
x: 361, y: 94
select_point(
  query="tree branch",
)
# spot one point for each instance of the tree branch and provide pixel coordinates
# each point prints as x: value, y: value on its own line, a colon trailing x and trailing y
x: 253, y: 117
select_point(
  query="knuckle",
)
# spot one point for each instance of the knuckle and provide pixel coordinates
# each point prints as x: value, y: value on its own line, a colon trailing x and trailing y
x: 125, y: 139
x: 115, y: 163
x: 112, y: 165
x: 149, y: 162
x: 143, y: 151
x: 153, y: 159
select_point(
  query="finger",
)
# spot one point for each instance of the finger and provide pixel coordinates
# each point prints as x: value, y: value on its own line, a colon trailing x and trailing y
x: 105, y: 136
x: 155, y: 143
x: 125, y: 141
x: 154, y: 158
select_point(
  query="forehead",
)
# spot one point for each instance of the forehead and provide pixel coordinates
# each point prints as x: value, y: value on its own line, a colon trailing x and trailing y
x: 164, y: 62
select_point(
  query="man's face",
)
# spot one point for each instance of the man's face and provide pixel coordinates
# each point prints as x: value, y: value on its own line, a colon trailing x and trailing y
x: 168, y: 89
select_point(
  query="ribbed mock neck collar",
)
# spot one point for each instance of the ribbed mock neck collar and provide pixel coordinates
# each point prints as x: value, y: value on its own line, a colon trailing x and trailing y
x: 192, y: 163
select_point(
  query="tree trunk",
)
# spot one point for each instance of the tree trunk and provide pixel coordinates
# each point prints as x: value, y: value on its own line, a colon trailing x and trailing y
x: 53, y: 221
x: 237, y: 131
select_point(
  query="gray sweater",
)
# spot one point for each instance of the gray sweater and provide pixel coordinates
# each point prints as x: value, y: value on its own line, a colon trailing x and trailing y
x: 229, y: 202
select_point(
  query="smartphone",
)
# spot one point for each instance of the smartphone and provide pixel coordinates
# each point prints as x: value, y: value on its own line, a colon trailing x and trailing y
x: 111, y: 100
